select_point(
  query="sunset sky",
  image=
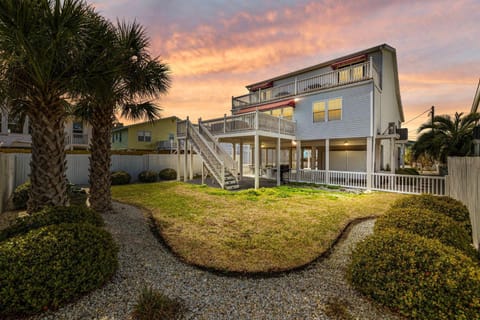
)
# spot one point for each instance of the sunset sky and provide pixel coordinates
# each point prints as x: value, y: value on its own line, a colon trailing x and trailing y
x: 216, y: 47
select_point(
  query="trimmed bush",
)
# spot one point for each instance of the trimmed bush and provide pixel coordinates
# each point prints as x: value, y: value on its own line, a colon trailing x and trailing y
x: 167, y: 174
x: 444, y: 205
x: 50, y: 216
x: 147, y: 176
x: 20, y: 196
x: 428, y: 224
x: 77, y: 195
x: 418, y: 277
x: 153, y: 305
x: 50, y: 266
x: 120, y: 177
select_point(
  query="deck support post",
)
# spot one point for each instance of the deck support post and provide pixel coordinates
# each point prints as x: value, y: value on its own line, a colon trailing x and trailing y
x: 191, y: 161
x: 369, y: 163
x: 257, y: 161
x: 241, y: 161
x: 298, y: 159
x: 327, y: 161
x: 185, y: 150
x: 278, y: 162
x: 392, y: 156
x: 179, y: 159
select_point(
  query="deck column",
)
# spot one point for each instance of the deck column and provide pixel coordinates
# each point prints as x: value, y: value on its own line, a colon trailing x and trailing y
x: 327, y: 161
x: 257, y: 161
x: 298, y: 158
x: 179, y: 159
x: 185, y: 150
x: 241, y: 160
x: 392, y: 156
x: 278, y: 162
x: 369, y: 162
x: 191, y: 161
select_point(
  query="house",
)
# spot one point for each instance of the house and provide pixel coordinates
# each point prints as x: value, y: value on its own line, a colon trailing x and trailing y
x: 342, y: 115
x: 15, y: 133
x: 158, y: 135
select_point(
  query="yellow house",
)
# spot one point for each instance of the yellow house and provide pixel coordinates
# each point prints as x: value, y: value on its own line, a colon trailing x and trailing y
x: 158, y: 135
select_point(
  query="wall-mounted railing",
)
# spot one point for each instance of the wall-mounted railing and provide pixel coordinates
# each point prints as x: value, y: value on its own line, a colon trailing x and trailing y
x: 248, y: 122
x: 333, y: 78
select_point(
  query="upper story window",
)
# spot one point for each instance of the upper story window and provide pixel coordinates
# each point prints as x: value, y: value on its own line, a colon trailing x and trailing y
x: 285, y: 112
x: 77, y: 127
x: 327, y: 110
x: 144, y: 136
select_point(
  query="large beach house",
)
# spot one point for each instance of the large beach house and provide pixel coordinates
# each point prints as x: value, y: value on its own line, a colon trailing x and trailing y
x: 340, y: 116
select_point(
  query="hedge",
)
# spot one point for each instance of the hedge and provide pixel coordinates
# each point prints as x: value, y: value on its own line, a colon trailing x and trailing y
x: 427, y: 223
x: 419, y: 277
x: 167, y: 174
x: 50, y: 266
x: 147, y: 176
x: 440, y: 204
x: 120, y: 177
x: 52, y: 215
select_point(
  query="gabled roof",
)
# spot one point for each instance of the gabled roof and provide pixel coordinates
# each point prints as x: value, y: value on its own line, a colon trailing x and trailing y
x: 142, y: 123
x: 476, y: 99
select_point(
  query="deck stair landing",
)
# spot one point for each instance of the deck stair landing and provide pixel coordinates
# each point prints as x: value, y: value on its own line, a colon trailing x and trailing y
x: 215, y: 159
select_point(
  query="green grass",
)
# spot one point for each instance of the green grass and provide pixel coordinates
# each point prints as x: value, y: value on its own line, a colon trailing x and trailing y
x: 265, y: 230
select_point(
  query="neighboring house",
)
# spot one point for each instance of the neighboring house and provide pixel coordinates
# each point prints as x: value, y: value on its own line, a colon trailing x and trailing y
x: 15, y: 133
x: 158, y: 135
x: 341, y: 115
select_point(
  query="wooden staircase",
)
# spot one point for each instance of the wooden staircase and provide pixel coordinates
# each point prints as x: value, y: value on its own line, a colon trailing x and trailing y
x: 216, y: 160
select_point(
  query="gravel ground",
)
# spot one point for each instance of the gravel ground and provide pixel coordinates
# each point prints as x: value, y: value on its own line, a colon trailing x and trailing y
x: 305, y: 294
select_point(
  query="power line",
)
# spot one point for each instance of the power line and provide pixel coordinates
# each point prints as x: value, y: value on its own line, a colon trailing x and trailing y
x: 429, y: 109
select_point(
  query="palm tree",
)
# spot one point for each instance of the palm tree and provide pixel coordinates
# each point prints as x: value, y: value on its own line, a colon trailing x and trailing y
x: 41, y: 43
x: 125, y: 75
x: 446, y: 137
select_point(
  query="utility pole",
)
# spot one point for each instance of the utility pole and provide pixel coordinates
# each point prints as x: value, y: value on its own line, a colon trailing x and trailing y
x: 432, y: 114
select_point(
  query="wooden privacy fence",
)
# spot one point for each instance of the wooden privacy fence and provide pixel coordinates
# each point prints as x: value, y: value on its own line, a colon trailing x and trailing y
x: 463, y: 184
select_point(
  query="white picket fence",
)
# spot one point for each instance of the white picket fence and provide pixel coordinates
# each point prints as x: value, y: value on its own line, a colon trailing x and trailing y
x: 380, y: 181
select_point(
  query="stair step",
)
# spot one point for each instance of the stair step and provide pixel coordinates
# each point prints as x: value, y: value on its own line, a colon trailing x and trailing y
x: 232, y: 187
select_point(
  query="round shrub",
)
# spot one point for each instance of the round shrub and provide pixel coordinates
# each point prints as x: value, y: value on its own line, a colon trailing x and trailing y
x: 419, y: 277
x: 444, y: 205
x: 52, y: 215
x: 50, y: 266
x: 168, y: 174
x: 428, y: 224
x: 120, y: 177
x: 147, y: 176
x: 20, y: 196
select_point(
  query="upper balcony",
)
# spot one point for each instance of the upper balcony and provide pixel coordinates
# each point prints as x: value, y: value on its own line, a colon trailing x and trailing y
x: 339, y: 77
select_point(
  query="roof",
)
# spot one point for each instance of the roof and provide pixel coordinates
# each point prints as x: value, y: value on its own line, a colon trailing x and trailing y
x: 476, y: 99
x: 142, y: 123
x: 269, y: 106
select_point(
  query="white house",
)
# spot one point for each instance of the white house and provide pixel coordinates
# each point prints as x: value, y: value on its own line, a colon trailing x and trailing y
x: 342, y: 115
x: 14, y: 133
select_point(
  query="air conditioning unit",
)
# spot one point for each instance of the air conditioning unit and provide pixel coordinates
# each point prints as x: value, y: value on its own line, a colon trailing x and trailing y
x: 391, y: 128
x: 403, y: 132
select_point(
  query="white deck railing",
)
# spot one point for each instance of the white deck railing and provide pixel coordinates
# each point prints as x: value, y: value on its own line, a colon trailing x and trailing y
x: 380, y: 181
x: 248, y: 122
x: 333, y: 78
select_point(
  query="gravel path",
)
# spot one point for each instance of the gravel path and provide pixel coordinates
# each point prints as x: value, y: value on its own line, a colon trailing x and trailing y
x: 306, y: 294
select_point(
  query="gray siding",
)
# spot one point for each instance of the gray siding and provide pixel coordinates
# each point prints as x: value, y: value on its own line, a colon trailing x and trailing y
x: 355, y: 115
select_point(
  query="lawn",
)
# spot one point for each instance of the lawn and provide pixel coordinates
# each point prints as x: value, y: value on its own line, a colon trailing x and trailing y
x: 265, y: 230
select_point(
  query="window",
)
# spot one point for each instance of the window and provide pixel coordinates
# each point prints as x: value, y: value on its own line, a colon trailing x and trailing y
x: 144, y: 136
x: 319, y: 111
x: 335, y: 109
x: 77, y: 127
x: 357, y: 73
x: 327, y: 110
x: 288, y: 113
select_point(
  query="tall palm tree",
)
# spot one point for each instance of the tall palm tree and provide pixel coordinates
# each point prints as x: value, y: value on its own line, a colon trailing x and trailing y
x: 446, y: 137
x: 126, y: 80
x: 41, y: 43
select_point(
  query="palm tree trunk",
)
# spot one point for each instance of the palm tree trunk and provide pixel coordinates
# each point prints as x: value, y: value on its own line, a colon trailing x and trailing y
x: 100, y: 161
x: 48, y: 165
